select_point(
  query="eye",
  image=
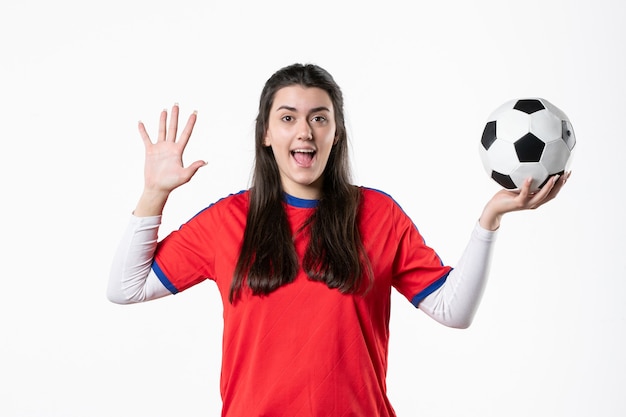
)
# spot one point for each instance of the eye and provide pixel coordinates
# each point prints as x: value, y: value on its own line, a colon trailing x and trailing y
x: 286, y: 118
x: 319, y: 119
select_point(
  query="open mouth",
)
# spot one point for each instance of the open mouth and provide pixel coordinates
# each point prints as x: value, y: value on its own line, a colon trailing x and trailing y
x: 303, y: 157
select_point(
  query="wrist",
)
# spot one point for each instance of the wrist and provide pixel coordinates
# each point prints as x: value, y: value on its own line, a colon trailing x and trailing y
x: 490, y: 221
x: 151, y: 203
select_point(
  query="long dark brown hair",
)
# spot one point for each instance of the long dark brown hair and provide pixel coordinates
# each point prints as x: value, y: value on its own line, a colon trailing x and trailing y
x: 335, y: 254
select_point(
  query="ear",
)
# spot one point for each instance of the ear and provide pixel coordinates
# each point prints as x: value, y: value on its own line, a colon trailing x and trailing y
x: 266, y: 141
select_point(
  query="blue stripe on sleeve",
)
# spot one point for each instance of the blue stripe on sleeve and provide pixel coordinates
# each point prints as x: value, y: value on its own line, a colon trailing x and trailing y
x: 417, y: 299
x: 166, y: 282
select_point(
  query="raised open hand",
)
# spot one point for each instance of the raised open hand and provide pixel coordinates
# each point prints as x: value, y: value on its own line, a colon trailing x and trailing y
x: 164, y: 170
x: 505, y: 201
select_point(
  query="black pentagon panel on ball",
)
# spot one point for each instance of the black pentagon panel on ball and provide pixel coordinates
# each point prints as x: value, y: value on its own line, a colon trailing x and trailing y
x: 529, y: 106
x: 529, y: 148
x: 489, y: 135
x: 503, y: 180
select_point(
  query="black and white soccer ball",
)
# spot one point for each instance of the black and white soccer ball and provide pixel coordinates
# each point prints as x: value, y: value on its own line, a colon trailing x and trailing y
x: 524, y: 138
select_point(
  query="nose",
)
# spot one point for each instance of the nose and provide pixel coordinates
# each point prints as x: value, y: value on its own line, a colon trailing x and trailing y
x: 304, y: 130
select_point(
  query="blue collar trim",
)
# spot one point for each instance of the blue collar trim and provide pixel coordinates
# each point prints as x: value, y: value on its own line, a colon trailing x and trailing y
x: 300, y: 202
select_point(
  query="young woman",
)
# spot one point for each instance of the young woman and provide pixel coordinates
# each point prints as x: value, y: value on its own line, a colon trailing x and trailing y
x: 304, y: 260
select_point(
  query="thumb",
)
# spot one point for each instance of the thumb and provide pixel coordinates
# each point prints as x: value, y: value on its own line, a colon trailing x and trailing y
x: 194, y: 167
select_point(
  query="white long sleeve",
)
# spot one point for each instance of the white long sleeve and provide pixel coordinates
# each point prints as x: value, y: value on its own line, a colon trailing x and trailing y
x: 131, y: 279
x: 455, y: 303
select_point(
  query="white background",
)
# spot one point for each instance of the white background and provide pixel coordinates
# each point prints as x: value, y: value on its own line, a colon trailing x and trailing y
x: 419, y: 80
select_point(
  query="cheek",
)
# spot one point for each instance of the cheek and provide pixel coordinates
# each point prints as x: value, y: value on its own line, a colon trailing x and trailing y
x: 326, y: 152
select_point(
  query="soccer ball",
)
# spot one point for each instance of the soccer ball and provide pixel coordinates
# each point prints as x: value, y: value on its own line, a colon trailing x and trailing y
x: 526, y: 138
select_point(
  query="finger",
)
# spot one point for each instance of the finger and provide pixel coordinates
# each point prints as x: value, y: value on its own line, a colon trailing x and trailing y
x: 566, y: 177
x: 191, y: 170
x: 186, y: 133
x: 525, y: 190
x: 558, y: 185
x: 546, y: 193
x: 162, y: 125
x: 144, y: 134
x: 173, y: 129
x: 196, y: 166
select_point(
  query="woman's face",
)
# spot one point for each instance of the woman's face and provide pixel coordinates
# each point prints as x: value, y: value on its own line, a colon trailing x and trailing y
x: 301, y: 133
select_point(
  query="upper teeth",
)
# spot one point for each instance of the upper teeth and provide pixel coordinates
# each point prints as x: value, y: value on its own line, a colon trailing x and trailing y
x: 304, y: 150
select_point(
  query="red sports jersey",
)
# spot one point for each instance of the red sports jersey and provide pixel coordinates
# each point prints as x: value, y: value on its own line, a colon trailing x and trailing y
x: 304, y: 349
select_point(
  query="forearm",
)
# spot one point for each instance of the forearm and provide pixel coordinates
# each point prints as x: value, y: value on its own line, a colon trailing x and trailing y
x: 131, y: 279
x: 455, y: 303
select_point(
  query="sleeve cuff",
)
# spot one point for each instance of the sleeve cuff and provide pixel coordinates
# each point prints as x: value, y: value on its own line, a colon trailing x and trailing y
x: 484, y: 234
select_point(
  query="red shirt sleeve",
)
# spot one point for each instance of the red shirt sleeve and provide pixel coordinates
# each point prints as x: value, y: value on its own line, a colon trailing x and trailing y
x: 393, y: 241
x: 205, y: 247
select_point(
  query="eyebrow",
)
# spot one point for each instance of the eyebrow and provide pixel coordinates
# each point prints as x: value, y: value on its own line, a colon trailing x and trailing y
x: 313, y: 110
